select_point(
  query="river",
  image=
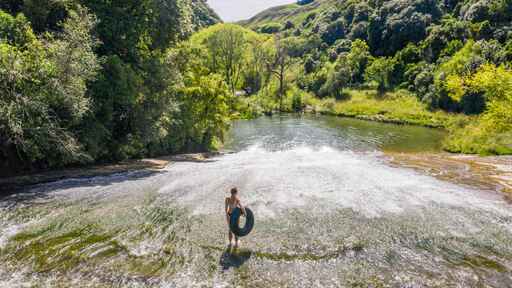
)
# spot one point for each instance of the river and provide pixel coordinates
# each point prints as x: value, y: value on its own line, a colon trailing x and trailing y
x: 331, y: 211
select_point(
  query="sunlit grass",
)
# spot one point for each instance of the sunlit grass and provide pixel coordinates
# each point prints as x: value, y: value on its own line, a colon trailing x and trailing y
x: 399, y: 107
x: 478, y: 137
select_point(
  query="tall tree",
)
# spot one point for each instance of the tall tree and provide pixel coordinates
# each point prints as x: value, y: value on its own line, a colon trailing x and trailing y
x: 279, y: 61
x: 380, y: 71
x: 227, y: 47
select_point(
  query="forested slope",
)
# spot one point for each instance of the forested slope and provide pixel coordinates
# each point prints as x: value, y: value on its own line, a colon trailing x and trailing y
x: 92, y: 81
x: 443, y: 51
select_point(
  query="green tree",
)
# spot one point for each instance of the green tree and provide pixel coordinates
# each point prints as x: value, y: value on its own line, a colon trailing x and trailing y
x: 491, y: 133
x: 357, y: 59
x: 279, y: 59
x: 380, y: 71
x: 43, y: 88
x: 339, y: 78
x: 204, y: 108
x: 227, y: 45
x: 202, y: 98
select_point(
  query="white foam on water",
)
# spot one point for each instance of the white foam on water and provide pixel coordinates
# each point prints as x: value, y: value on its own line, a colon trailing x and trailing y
x: 7, y: 232
x: 275, y: 181
x: 15, y: 279
x: 308, y: 177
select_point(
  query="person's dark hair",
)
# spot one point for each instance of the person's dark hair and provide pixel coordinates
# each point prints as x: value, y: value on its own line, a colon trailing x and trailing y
x: 234, y: 191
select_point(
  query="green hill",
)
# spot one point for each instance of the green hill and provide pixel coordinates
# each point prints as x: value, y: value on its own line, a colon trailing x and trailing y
x: 283, y: 13
x: 389, y: 25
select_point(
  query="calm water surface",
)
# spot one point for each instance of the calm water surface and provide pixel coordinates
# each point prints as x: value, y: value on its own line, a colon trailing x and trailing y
x: 345, y: 134
x: 330, y: 212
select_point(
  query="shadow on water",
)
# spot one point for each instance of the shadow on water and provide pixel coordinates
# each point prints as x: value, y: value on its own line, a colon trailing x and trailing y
x: 15, y: 188
x: 234, y: 258
x: 41, y: 191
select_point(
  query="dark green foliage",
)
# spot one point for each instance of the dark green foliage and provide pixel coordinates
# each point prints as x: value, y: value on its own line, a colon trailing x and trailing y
x: 508, y: 51
x: 333, y: 32
x: 271, y: 28
x: 310, y: 65
x: 304, y: 2
x: 253, y: 81
x: 203, y: 15
x: 47, y: 14
x: 297, y: 104
x: 289, y: 25
x: 16, y: 30
x: 473, y: 103
x: 11, y: 6
x: 43, y: 14
x: 309, y: 18
x: 59, y: 107
x: 398, y: 23
x: 43, y: 88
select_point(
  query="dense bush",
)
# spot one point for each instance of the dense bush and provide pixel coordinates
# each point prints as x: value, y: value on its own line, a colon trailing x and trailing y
x: 305, y: 2
x: 271, y: 28
x: 85, y: 81
x: 492, y: 133
x: 43, y: 87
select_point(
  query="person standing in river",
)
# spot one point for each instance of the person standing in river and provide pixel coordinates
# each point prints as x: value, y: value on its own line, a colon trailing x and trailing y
x: 231, y: 203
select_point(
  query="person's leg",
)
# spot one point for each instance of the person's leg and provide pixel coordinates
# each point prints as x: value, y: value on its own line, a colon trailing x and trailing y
x: 230, y: 234
x: 231, y: 237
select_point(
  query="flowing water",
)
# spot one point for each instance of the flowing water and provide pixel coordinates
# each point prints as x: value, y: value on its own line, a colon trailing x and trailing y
x: 330, y: 212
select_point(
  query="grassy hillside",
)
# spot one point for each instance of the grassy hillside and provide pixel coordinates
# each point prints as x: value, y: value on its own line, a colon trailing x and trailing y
x: 397, y: 107
x: 290, y: 12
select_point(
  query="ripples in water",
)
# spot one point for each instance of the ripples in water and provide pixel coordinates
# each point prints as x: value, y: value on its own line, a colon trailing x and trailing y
x: 327, y: 215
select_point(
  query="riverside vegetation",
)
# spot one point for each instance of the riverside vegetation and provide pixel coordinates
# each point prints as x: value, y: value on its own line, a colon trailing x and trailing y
x: 434, y: 63
x: 101, y: 81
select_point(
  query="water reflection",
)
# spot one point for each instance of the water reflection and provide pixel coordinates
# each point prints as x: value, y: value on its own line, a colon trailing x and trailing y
x: 279, y: 133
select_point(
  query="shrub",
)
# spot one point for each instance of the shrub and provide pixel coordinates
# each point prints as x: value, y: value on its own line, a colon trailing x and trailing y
x: 304, y: 2
x: 271, y: 28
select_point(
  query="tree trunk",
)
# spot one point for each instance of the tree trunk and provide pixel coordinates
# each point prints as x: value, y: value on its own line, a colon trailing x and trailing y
x: 381, y: 89
x: 281, y: 89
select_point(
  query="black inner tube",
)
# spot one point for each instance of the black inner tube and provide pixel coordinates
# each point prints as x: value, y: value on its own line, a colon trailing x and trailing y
x: 234, y: 222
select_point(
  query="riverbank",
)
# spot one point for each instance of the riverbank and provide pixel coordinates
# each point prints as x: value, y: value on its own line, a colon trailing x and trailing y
x: 14, y: 183
x: 491, y: 173
x: 399, y: 107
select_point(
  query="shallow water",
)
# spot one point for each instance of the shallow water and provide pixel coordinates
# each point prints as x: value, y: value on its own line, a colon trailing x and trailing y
x: 330, y: 212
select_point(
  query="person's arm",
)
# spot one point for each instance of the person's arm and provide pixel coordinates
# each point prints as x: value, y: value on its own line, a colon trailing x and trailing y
x: 226, y: 208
